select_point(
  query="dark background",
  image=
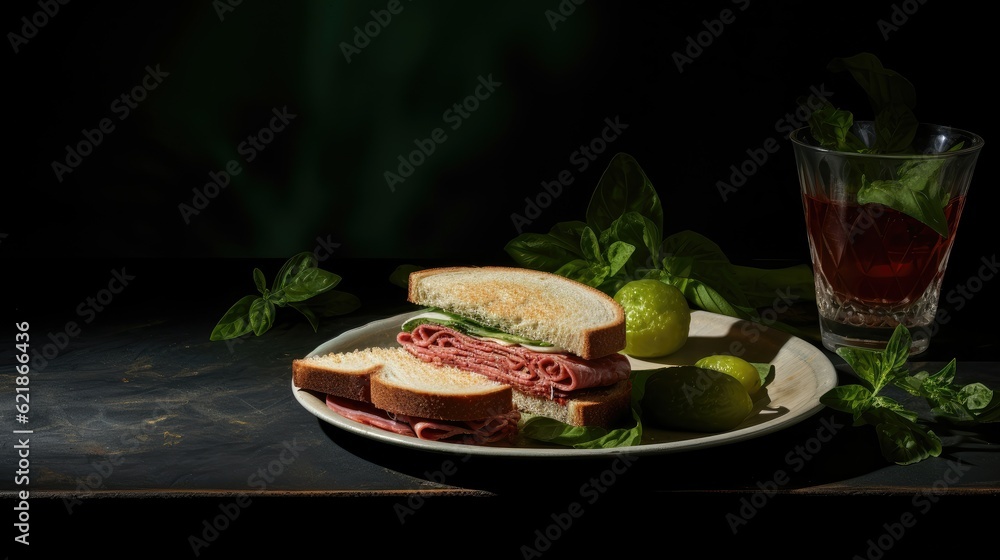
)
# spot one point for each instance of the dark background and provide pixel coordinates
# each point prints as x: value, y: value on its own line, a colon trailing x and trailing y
x: 324, y: 175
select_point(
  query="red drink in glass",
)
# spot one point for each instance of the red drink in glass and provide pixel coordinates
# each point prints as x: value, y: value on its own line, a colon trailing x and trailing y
x: 872, y: 255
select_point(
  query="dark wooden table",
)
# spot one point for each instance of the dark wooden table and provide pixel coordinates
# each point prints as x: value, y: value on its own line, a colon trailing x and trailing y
x: 144, y: 431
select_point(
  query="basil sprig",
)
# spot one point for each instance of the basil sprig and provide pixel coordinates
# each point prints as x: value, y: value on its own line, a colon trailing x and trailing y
x: 622, y: 239
x: 903, y: 438
x: 299, y: 284
x: 916, y: 189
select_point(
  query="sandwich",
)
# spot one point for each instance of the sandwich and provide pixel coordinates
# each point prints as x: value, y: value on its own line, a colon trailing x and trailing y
x: 490, y: 345
x: 557, y: 342
x: 390, y: 389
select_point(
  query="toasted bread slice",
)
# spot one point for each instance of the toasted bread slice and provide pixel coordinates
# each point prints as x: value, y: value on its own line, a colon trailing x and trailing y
x: 346, y: 375
x: 529, y: 303
x: 397, y: 382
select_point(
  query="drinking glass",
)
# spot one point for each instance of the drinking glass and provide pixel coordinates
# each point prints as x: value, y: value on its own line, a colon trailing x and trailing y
x: 877, y: 267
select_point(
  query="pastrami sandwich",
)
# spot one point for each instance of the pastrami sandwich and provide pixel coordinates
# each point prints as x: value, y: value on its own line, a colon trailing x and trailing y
x: 493, y: 343
x: 556, y: 342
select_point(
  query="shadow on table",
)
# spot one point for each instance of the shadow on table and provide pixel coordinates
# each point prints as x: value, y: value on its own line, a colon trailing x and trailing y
x: 820, y: 450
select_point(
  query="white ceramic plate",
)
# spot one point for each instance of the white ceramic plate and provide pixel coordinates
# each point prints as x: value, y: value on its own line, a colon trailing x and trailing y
x: 802, y: 375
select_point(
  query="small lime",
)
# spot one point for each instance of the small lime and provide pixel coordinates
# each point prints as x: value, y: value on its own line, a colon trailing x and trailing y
x: 657, y: 318
x: 735, y: 366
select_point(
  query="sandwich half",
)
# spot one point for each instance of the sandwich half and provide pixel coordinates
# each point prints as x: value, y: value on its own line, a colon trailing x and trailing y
x: 556, y: 342
x: 389, y: 388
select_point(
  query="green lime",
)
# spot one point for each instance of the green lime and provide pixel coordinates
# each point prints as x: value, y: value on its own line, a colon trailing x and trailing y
x: 737, y: 367
x: 657, y: 318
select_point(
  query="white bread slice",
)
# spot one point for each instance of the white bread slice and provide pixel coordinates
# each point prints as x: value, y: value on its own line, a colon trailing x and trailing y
x: 397, y: 382
x: 529, y: 303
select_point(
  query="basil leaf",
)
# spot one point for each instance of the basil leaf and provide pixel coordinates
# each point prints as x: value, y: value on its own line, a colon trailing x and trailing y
x: 235, y: 323
x: 585, y: 272
x: 259, y: 281
x: 765, y: 371
x: 307, y: 283
x: 546, y: 252
x: 640, y: 232
x: 915, y: 192
x: 895, y: 127
x: 567, y: 235
x: 854, y: 399
x: 883, y: 402
x: 705, y: 297
x: 878, y: 368
x: 832, y: 129
x: 553, y: 431
x: 975, y: 396
x: 261, y: 316
x: 708, y: 264
x: 622, y: 188
x: 292, y: 267
x: 618, y: 256
x: 591, y: 247
x: 901, y: 440
x: 618, y: 437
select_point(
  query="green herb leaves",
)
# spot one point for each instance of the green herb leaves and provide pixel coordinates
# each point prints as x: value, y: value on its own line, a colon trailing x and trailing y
x: 299, y: 284
x: 915, y: 187
x: 902, y: 438
x: 892, y: 99
x: 916, y: 191
x: 623, y: 239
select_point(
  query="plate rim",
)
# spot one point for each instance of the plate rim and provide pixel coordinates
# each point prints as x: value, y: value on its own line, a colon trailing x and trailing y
x: 822, y: 368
